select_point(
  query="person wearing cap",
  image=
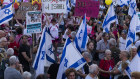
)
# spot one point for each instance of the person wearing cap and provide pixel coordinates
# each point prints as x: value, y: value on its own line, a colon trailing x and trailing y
x: 11, y: 72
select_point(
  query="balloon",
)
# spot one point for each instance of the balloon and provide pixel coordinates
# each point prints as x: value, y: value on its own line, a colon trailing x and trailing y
x: 108, y: 2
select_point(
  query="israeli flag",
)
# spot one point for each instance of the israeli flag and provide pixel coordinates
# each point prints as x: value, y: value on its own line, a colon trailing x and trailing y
x: 110, y: 18
x: 6, y: 14
x: 132, y: 31
x: 81, y: 38
x: 134, y: 65
x: 73, y: 2
x: 123, y: 2
x: 68, y: 6
x: 45, y: 55
x: 71, y: 58
x: 132, y: 8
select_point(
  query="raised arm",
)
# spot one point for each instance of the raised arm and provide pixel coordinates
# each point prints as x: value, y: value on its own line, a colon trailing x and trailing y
x: 61, y: 19
x: 22, y: 26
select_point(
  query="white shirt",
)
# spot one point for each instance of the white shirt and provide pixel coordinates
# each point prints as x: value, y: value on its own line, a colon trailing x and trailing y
x: 54, y: 30
x: 122, y: 43
x: 89, y: 77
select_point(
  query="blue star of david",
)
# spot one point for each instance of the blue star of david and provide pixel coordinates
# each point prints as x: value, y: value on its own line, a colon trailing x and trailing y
x: 80, y: 34
x: 7, y: 11
x: 43, y: 55
x: 133, y: 5
x: 66, y: 62
x: 50, y: 49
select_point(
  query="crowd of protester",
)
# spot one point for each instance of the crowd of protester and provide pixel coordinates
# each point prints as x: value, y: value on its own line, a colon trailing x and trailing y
x: 104, y: 50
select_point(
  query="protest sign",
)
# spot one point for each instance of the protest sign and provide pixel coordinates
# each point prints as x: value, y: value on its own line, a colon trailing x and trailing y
x: 23, y: 8
x: 33, y: 21
x: 90, y: 7
x: 54, y: 6
x: 138, y: 22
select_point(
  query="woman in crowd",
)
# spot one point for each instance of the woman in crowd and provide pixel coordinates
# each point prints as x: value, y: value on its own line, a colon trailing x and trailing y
x: 106, y: 64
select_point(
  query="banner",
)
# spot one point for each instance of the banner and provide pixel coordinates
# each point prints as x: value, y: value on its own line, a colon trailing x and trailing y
x: 54, y: 6
x: 90, y: 7
x: 138, y: 22
x: 23, y: 8
x: 33, y: 21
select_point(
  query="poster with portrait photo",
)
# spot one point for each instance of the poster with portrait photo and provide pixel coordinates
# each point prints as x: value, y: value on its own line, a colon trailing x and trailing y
x: 33, y: 21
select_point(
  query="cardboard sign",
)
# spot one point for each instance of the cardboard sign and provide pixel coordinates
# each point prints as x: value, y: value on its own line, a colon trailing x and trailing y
x: 90, y: 7
x: 33, y: 21
x: 54, y: 6
x: 23, y: 8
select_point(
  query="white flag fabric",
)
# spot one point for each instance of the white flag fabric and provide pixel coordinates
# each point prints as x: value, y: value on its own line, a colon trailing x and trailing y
x: 134, y: 65
x: 132, y: 8
x: 81, y: 38
x: 45, y: 53
x: 110, y: 18
x: 71, y: 58
x: 6, y: 14
x: 6, y: 2
x: 122, y: 2
x: 132, y: 31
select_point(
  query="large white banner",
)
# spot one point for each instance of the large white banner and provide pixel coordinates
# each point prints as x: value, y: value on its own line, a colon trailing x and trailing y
x: 54, y: 6
x: 138, y: 22
x: 33, y: 21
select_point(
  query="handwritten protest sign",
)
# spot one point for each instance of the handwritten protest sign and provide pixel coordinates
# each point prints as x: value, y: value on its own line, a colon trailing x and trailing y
x: 90, y: 7
x: 54, y: 6
x: 23, y: 8
x: 33, y: 21
x: 138, y: 22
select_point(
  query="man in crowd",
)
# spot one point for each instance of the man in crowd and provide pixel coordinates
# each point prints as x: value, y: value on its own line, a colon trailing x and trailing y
x: 11, y: 72
x: 93, y: 72
x: 102, y: 45
x: 24, y: 53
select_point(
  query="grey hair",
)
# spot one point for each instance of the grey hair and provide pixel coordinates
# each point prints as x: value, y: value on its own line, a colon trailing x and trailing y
x: 13, y: 60
x: 10, y: 52
x: 93, y: 68
x: 126, y: 53
x: 26, y: 75
x: 87, y: 55
x: 3, y: 38
x: 73, y: 34
x: 112, y: 41
x: 107, y: 50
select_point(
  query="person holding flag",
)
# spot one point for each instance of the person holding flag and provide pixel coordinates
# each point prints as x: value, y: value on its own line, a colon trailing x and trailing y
x: 45, y: 54
x: 71, y: 57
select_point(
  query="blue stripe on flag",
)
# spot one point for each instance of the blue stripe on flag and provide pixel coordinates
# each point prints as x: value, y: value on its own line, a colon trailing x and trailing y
x: 50, y: 59
x: 76, y: 43
x: 6, y: 6
x: 6, y: 18
x: 128, y: 70
x: 139, y: 53
x: 128, y: 43
x: 42, y: 43
x: 79, y: 62
x: 110, y: 19
x: 64, y: 50
x: 84, y: 38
